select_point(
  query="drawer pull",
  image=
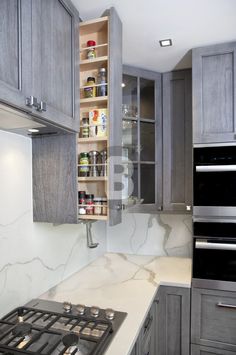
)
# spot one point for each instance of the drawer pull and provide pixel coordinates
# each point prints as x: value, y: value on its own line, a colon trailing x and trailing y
x: 225, y: 305
x: 148, y: 326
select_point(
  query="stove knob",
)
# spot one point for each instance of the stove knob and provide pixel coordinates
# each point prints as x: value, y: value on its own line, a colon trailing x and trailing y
x: 94, y: 311
x: 67, y: 306
x: 109, y: 314
x: 80, y: 309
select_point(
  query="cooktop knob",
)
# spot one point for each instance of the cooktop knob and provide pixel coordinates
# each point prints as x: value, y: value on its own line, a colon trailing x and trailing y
x: 67, y: 306
x: 94, y: 311
x: 109, y: 314
x: 80, y: 309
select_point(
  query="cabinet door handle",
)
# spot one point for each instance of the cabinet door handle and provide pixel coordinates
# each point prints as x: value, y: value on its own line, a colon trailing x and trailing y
x: 31, y: 101
x: 225, y: 305
x: 148, y: 326
x: 188, y: 208
x: 42, y: 106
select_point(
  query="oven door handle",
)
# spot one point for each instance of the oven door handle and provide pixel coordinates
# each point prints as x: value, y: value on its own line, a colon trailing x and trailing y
x: 214, y: 246
x: 214, y: 168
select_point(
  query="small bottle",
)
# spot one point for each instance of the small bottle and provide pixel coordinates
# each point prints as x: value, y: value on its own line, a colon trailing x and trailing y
x: 97, y: 205
x: 84, y: 164
x: 82, y: 202
x: 104, y: 206
x: 91, y: 53
x: 102, y: 80
x: 89, y: 204
x: 90, y: 91
x: 85, y: 127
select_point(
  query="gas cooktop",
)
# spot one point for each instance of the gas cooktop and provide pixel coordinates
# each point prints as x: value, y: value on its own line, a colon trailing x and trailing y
x: 52, y: 328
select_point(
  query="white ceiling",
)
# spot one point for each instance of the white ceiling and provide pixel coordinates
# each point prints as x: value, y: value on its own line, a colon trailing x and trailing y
x: 189, y: 23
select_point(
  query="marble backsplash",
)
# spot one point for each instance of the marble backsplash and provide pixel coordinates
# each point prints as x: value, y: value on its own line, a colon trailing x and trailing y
x: 152, y: 234
x: 33, y: 256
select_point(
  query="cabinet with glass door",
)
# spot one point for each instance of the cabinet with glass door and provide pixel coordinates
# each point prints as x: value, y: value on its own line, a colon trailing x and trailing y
x: 142, y: 139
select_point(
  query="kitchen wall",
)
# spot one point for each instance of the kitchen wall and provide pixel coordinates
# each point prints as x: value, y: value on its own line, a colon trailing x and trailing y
x: 33, y: 256
x: 149, y: 234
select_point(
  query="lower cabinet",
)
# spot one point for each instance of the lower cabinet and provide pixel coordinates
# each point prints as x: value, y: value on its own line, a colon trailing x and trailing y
x: 204, y: 350
x: 213, y: 322
x: 166, y: 330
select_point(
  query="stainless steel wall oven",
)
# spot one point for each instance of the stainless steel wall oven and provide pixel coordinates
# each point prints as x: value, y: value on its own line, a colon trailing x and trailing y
x: 214, y: 254
x: 215, y: 181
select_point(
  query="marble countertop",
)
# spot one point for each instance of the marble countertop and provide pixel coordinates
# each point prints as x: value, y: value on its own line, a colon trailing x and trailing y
x: 126, y: 283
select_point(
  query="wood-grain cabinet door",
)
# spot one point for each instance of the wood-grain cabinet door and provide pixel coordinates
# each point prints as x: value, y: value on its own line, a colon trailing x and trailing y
x: 173, y: 321
x: 177, y: 138
x: 15, y: 48
x: 55, y: 60
x: 214, y: 94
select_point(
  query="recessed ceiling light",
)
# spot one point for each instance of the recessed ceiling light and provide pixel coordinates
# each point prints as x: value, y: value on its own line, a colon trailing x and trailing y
x: 165, y: 42
x: 33, y: 130
x: 123, y: 85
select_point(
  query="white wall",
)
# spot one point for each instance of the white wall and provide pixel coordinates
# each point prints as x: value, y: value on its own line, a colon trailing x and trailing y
x: 33, y: 256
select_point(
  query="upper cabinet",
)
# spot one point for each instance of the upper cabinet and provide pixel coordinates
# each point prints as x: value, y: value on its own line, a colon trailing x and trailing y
x: 89, y: 164
x: 15, y: 46
x: 214, y: 94
x: 177, y: 141
x: 39, y: 70
x: 142, y: 139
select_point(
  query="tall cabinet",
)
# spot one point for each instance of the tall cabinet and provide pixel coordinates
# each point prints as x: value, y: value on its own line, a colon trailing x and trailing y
x: 177, y: 141
x: 57, y: 159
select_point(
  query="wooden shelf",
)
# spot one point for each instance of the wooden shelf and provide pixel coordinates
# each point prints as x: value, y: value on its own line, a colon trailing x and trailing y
x: 88, y: 64
x: 93, y: 216
x: 91, y: 86
x: 94, y: 100
x: 92, y: 139
x: 92, y: 178
x: 93, y: 25
x: 97, y: 46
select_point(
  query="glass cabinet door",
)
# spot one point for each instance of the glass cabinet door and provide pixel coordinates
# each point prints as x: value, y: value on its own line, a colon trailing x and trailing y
x: 141, y: 110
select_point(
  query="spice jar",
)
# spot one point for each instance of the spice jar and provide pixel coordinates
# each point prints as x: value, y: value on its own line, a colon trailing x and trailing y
x: 93, y: 161
x: 97, y: 205
x: 82, y: 202
x: 89, y: 204
x: 104, y: 206
x: 85, y: 127
x: 90, y: 91
x: 103, y: 155
x: 91, y: 53
x: 102, y: 81
x: 84, y: 164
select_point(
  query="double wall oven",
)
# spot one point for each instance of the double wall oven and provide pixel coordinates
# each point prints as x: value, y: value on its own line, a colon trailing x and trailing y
x: 214, y: 217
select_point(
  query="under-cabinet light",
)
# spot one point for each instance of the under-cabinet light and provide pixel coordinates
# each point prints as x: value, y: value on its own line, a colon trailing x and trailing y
x: 165, y: 42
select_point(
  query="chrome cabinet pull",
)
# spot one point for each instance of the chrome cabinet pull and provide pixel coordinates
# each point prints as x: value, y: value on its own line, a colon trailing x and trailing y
x: 215, y: 168
x: 42, y: 106
x: 188, y: 208
x: 31, y: 101
x: 225, y: 305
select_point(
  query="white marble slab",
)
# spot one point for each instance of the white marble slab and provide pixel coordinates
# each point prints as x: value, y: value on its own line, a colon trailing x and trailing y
x: 33, y: 256
x: 156, y: 234
x: 124, y: 282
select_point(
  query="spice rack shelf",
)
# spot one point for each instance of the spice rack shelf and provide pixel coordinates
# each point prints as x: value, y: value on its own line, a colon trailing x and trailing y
x: 94, y: 100
x: 95, y: 85
x: 93, y: 217
x: 89, y: 64
x: 92, y: 140
x: 92, y: 178
x: 97, y: 46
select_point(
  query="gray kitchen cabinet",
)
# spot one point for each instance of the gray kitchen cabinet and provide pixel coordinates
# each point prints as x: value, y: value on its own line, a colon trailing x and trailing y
x: 214, y: 94
x: 177, y: 141
x: 166, y: 330
x: 204, y: 350
x: 142, y: 138
x: 39, y: 42
x: 213, y: 321
x: 173, y: 321
x: 55, y: 158
x: 55, y: 61
x: 15, y: 58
